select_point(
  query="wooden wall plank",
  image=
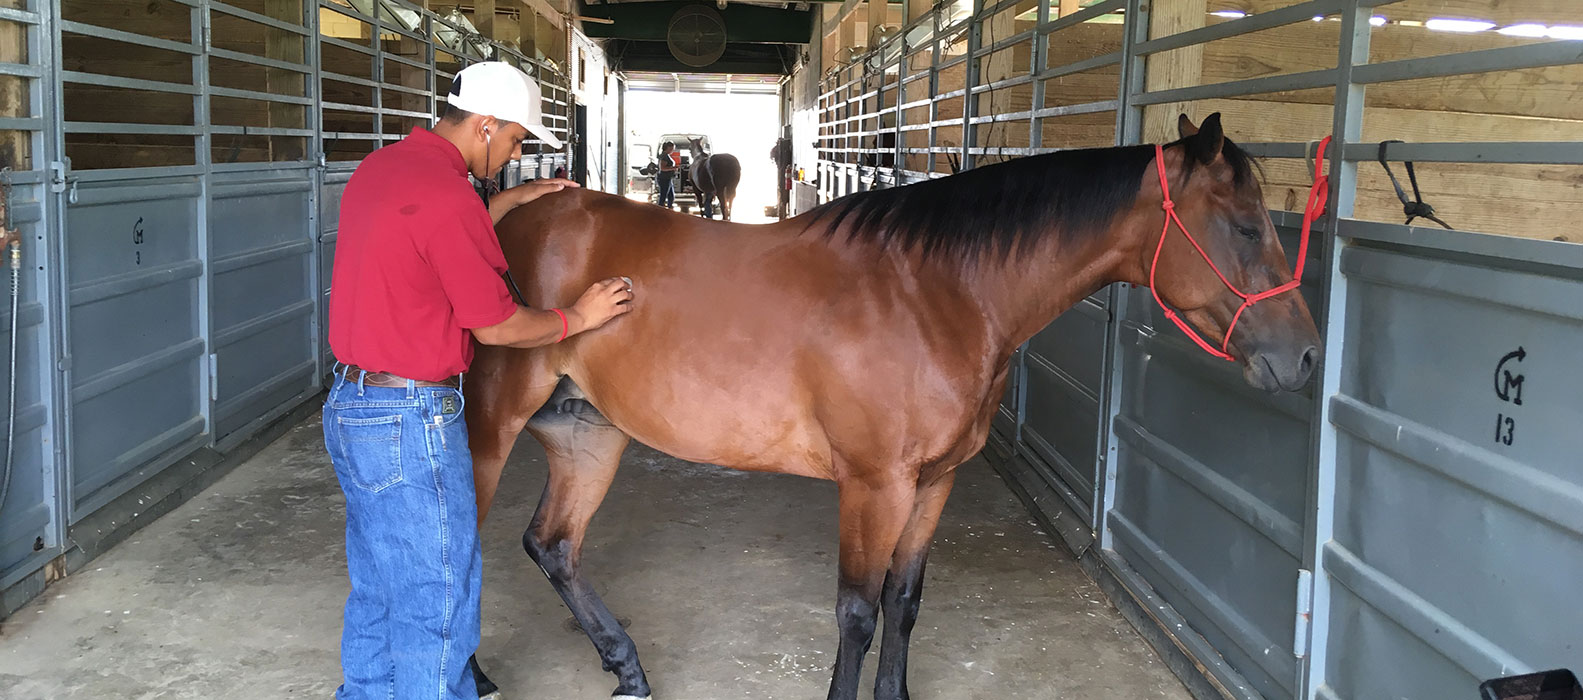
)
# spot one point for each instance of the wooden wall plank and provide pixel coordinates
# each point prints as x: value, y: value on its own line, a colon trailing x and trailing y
x: 1174, y: 69
x: 15, y: 146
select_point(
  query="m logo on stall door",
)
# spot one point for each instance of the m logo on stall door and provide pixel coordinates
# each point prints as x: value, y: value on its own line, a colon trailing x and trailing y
x: 1509, y: 388
x: 137, y: 239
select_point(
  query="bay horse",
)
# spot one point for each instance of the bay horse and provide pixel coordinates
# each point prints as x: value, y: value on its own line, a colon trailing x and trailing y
x: 867, y: 342
x: 715, y: 175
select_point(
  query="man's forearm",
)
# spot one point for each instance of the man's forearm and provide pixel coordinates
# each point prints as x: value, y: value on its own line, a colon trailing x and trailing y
x: 557, y: 328
x: 531, y: 328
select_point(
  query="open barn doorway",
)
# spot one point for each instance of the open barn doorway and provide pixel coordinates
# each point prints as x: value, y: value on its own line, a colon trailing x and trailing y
x: 738, y: 115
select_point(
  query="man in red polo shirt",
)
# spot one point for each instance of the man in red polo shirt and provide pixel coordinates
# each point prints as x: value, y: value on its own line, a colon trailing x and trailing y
x: 417, y: 279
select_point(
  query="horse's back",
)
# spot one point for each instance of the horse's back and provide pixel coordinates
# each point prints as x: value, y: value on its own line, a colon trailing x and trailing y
x: 748, y: 346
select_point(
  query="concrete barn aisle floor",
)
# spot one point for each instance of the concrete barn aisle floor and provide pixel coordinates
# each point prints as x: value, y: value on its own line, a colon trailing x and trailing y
x: 728, y: 579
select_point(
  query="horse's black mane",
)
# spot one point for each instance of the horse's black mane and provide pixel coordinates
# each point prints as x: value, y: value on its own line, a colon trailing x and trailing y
x: 1007, y: 207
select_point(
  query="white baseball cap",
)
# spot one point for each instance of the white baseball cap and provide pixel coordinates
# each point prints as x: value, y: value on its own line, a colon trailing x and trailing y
x: 499, y: 90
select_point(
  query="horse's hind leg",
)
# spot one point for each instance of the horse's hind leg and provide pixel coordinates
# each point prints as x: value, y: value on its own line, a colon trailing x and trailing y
x: 497, y: 408
x: 728, y: 198
x: 904, y: 587
x: 873, y: 515
x: 584, y: 450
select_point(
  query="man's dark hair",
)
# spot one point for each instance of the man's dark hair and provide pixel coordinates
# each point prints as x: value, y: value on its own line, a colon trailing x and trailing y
x: 455, y: 115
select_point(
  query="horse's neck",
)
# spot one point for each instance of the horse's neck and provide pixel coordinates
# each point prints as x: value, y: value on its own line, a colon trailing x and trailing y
x: 1025, y: 292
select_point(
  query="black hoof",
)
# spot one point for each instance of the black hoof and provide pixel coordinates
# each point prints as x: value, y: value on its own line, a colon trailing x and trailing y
x: 485, y: 686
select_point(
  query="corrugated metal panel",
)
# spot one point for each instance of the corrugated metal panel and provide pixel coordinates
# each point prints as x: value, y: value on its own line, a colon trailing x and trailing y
x: 1065, y: 379
x: 1458, y: 543
x: 134, y: 270
x: 333, y: 184
x: 28, y: 515
x: 1212, y: 485
x: 263, y: 297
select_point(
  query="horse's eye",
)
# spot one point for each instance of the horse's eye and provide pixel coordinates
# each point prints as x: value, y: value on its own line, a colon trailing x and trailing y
x: 1250, y: 232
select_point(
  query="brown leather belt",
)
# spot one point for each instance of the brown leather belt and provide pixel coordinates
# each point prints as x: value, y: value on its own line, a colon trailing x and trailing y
x: 386, y: 379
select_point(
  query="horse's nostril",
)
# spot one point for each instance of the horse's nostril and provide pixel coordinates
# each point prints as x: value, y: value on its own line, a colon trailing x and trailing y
x: 1310, y: 356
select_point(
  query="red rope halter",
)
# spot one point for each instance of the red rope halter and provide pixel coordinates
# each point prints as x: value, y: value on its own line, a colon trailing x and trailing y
x: 1317, y: 196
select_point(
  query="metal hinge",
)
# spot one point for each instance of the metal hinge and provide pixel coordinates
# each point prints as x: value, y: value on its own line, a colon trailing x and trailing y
x: 63, y: 363
x: 1305, y: 612
x: 214, y: 377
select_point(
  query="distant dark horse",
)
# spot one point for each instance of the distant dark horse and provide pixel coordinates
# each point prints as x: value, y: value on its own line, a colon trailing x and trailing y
x: 715, y: 175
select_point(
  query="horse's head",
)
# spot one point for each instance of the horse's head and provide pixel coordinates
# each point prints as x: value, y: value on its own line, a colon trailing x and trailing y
x: 1218, y: 200
x: 696, y: 145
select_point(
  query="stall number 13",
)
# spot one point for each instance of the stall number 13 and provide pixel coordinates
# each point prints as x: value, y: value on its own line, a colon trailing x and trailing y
x: 1509, y: 388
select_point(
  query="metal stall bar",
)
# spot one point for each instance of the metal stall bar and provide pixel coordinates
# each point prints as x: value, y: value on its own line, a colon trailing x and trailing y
x: 1155, y: 573
x: 255, y: 376
x: 1366, y: 435
x: 32, y: 516
x: 107, y: 368
x: 837, y: 95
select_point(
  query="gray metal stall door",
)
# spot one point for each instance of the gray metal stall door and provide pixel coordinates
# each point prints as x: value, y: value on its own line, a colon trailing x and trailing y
x: 30, y: 512
x: 135, y: 323
x: 332, y: 185
x: 1212, y: 485
x: 1064, y: 376
x: 1457, y: 550
x: 263, y: 297
x: 28, y: 515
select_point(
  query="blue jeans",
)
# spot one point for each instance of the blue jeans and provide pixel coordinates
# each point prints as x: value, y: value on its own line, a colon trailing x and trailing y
x: 412, y: 546
x: 666, y: 182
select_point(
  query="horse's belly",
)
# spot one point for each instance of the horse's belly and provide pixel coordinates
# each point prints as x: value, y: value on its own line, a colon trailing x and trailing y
x: 754, y: 429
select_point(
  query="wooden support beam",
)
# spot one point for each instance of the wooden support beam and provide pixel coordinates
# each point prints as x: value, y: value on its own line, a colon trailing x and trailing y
x: 1182, y: 67
x: 485, y: 13
x: 549, y: 40
x: 15, y: 146
x: 878, y: 17
x: 555, y: 16
x: 1001, y: 65
x: 833, y: 20
x: 285, y: 46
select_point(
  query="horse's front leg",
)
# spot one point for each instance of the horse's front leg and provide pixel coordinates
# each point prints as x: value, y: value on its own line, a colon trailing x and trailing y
x: 904, y: 587
x: 875, y: 507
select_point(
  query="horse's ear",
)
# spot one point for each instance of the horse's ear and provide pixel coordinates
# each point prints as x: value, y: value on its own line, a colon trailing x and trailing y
x: 1184, y: 126
x: 1208, y: 139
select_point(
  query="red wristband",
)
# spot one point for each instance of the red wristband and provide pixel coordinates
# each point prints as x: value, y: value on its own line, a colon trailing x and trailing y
x: 565, y: 326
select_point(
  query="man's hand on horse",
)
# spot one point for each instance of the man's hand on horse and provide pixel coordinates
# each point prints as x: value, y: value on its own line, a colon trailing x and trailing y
x: 501, y: 204
x: 604, y: 300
